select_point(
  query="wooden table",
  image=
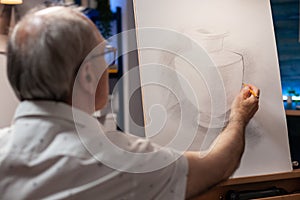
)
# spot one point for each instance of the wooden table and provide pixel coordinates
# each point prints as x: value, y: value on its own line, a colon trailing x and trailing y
x: 289, y: 181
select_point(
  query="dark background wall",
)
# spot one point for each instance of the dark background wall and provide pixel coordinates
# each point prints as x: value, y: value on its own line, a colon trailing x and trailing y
x: 286, y: 25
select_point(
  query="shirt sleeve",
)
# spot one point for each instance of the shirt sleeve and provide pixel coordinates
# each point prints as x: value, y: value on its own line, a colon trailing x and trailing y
x: 167, y: 182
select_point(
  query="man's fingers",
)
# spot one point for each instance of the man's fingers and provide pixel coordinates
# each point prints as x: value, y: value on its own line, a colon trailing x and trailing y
x: 246, y: 92
x: 252, y: 100
x: 246, y: 103
x: 255, y: 90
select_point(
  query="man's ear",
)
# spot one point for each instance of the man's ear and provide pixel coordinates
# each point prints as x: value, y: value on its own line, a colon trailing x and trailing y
x: 86, y: 77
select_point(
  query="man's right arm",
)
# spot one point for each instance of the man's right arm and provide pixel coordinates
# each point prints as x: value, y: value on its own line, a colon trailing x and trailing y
x: 224, y: 155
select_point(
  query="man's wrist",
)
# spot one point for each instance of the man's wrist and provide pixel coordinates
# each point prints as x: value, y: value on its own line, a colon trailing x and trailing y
x: 237, y: 120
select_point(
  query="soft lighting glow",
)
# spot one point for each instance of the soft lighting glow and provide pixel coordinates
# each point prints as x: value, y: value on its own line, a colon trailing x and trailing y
x: 284, y: 98
x: 11, y: 2
x: 293, y: 97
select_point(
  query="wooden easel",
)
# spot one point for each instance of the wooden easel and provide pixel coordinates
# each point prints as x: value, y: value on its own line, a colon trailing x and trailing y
x: 289, y: 181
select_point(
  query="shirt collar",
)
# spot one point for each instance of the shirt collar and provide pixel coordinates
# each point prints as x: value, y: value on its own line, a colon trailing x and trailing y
x: 56, y: 110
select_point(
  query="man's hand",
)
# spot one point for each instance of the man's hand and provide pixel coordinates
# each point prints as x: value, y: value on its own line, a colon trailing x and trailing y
x: 245, y: 104
x: 225, y: 155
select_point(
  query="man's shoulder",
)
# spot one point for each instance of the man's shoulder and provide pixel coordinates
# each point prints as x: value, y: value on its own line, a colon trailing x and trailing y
x: 129, y: 142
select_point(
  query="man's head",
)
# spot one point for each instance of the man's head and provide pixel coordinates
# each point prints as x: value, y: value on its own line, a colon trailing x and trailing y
x: 45, y: 51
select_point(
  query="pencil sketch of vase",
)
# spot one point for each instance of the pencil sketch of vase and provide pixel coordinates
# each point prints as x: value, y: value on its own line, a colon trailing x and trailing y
x: 230, y: 69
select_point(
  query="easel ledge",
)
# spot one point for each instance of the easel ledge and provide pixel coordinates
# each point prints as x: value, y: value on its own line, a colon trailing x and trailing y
x: 290, y: 181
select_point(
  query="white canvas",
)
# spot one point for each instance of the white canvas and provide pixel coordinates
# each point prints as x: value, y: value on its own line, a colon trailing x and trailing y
x: 237, y: 44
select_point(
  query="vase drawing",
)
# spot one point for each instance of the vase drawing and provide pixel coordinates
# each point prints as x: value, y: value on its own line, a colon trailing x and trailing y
x: 229, y: 67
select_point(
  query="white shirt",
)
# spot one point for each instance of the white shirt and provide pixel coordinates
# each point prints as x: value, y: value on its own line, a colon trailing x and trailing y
x: 43, y: 157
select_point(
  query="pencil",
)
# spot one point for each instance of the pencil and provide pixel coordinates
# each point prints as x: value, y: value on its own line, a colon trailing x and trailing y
x: 251, y: 91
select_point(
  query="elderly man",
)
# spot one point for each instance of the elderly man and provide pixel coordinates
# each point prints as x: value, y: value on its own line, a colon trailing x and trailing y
x: 46, y: 153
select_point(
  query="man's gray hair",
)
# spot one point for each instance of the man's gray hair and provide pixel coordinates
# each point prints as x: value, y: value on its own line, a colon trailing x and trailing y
x: 45, y: 50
